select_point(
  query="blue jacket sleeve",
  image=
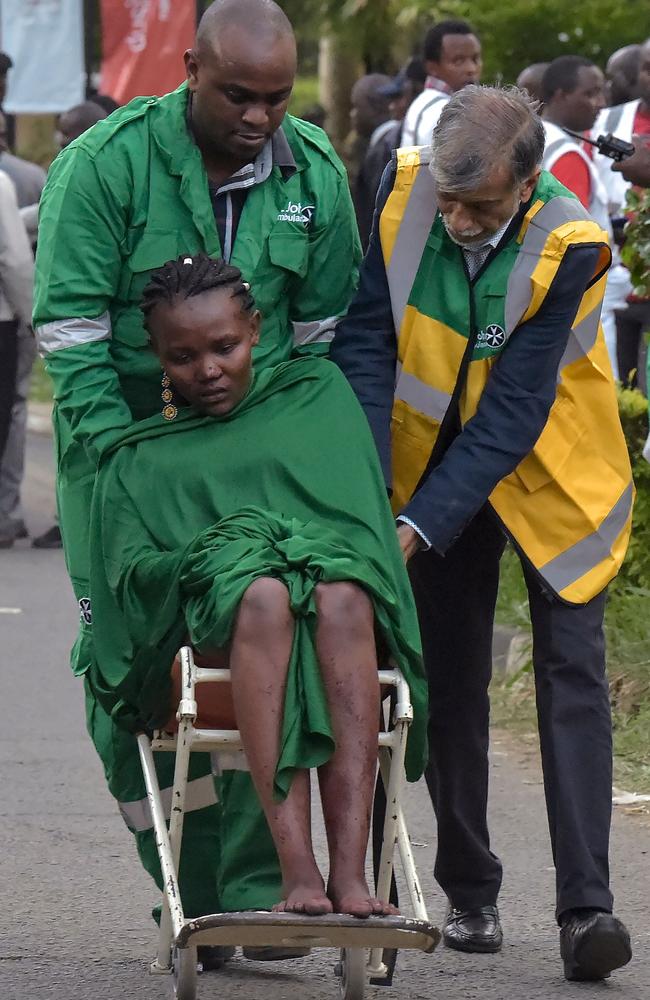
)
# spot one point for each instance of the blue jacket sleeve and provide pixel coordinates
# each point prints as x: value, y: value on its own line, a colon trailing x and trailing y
x: 511, y: 414
x: 365, y: 347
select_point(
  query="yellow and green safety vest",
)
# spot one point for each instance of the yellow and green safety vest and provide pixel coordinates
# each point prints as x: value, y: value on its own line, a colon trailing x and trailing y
x: 568, y: 504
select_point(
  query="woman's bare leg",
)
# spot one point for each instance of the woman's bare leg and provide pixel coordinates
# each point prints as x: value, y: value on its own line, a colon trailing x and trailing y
x: 345, y: 645
x: 259, y: 660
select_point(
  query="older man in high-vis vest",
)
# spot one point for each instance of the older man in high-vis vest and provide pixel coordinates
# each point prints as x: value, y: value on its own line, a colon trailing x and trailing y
x: 475, y: 346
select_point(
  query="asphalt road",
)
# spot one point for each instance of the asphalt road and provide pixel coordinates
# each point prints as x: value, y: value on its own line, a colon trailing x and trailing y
x: 74, y: 920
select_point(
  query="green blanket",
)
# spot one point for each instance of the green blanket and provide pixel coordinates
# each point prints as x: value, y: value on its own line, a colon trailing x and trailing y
x: 187, y: 514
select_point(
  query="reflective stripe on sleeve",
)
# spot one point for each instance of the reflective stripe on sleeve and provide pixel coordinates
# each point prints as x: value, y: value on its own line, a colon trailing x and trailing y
x: 553, y: 149
x: 72, y: 332
x: 578, y: 560
x: 422, y: 397
x: 318, y: 331
x: 200, y: 794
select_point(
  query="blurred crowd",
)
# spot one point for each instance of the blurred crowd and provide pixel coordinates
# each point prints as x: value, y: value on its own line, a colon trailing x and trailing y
x: 573, y: 94
x: 577, y: 101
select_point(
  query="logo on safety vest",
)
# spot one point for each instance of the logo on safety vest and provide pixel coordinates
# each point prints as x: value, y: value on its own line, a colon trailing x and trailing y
x: 85, y: 613
x: 493, y: 337
x: 297, y: 212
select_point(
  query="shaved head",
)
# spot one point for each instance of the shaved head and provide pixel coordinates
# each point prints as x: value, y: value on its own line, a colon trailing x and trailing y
x: 261, y: 19
x: 622, y: 72
x: 240, y: 74
x: 627, y: 60
x: 530, y: 79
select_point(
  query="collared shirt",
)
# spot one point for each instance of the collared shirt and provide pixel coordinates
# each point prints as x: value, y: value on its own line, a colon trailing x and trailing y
x: 435, y: 83
x: 228, y: 198
x: 475, y: 256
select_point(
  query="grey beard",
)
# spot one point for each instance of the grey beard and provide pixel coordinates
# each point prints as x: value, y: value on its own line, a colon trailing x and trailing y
x: 466, y: 244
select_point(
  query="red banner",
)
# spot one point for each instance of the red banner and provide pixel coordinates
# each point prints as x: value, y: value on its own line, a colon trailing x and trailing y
x: 142, y: 46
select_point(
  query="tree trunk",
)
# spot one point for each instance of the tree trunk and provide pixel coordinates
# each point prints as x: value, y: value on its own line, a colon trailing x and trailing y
x: 338, y: 69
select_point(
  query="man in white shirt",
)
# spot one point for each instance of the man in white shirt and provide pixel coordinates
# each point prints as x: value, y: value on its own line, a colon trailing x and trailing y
x: 452, y: 58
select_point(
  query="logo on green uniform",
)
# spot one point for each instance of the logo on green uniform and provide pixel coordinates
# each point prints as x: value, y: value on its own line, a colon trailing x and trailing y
x: 297, y: 212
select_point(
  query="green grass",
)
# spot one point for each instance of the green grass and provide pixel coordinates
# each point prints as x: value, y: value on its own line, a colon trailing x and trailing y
x: 627, y: 626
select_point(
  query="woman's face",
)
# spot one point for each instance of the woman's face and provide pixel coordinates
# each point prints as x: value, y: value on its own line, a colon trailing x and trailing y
x: 204, y: 343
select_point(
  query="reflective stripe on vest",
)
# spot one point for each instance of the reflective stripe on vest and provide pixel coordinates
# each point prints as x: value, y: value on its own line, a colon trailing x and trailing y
x: 540, y: 221
x: 560, y: 145
x: 418, y: 121
x: 578, y: 560
x: 412, y: 390
x: 417, y: 216
x: 614, y: 118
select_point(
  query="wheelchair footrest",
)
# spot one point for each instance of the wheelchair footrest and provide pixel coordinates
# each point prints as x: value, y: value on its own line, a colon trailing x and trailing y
x: 263, y: 928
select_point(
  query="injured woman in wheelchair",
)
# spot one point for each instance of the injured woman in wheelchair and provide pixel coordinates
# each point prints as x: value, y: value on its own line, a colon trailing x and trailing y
x: 250, y: 518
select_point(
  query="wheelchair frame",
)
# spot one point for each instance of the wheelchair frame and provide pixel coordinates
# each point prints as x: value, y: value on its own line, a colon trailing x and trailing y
x: 179, y: 937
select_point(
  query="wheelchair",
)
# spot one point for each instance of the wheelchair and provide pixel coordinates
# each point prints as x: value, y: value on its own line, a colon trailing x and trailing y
x: 205, y: 721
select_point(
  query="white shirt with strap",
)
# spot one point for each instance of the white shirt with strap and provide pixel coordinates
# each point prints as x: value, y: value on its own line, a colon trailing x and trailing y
x: 558, y: 144
x: 422, y: 117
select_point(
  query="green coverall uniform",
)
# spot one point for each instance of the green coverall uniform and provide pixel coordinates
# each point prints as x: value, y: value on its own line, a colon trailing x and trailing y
x: 120, y: 201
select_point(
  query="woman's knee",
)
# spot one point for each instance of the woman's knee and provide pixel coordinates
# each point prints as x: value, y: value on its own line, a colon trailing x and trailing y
x: 264, y: 605
x: 344, y: 605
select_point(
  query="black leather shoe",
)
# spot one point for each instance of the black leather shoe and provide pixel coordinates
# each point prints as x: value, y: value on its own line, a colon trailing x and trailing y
x: 214, y: 957
x: 50, y: 539
x: 478, y: 929
x: 593, y: 944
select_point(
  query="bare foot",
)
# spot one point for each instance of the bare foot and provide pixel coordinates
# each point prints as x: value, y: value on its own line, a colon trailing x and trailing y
x: 356, y: 900
x: 306, y: 897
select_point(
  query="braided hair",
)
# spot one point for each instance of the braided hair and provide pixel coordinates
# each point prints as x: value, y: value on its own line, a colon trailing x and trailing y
x: 187, y: 276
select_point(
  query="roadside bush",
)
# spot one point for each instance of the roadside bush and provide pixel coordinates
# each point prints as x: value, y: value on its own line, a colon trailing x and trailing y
x: 633, y: 408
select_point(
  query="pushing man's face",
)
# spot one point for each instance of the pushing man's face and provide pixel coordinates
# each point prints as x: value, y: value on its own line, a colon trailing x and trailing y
x: 471, y: 217
x: 240, y: 90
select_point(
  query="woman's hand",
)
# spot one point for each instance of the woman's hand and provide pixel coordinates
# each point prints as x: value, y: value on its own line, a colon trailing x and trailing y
x: 409, y: 540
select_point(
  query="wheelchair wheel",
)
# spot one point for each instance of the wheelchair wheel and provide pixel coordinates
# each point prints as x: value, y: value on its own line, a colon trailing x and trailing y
x: 353, y: 973
x: 185, y: 973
